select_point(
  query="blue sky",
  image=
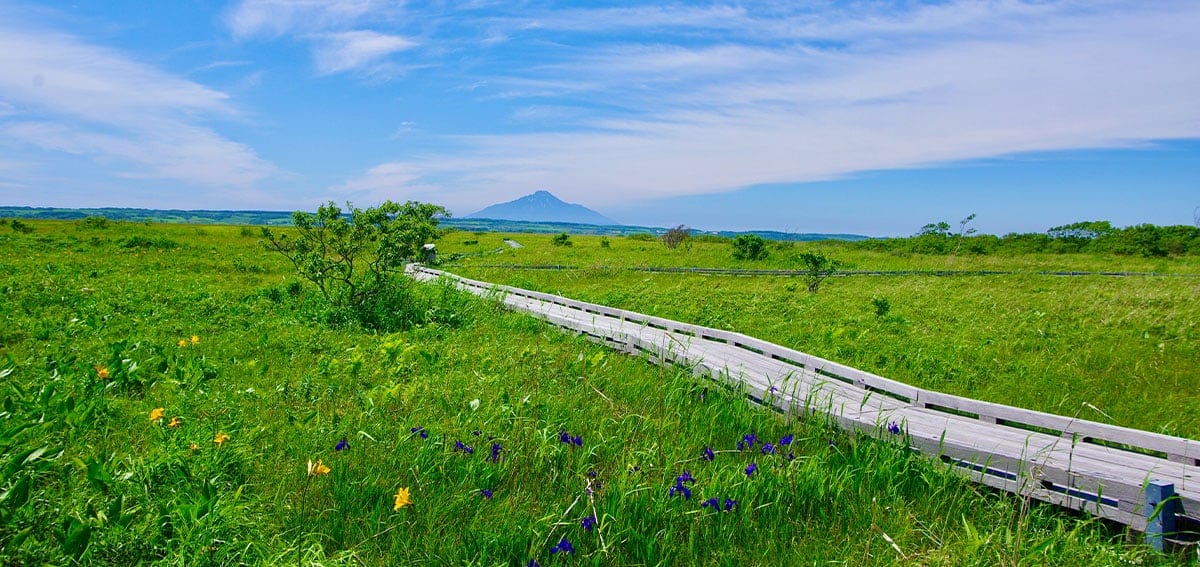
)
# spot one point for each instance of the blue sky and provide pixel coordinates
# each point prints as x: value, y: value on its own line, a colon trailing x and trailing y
x: 866, y: 117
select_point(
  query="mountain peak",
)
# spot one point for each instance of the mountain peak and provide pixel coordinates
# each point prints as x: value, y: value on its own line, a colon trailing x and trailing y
x: 542, y: 206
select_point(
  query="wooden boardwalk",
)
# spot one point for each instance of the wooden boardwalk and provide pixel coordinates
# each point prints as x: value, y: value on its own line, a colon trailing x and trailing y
x: 1102, y: 469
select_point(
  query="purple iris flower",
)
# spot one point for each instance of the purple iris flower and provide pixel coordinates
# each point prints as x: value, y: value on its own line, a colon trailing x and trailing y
x: 747, y: 441
x: 729, y: 504
x: 787, y: 439
x: 588, y: 523
x: 768, y: 449
x: 420, y: 431
x: 341, y: 445
x: 710, y: 502
x: 893, y: 428
x: 495, y: 458
x: 486, y: 493
x: 707, y: 454
x: 563, y: 546
x: 750, y: 469
x: 685, y: 477
x: 466, y: 449
x: 681, y: 489
x: 533, y: 563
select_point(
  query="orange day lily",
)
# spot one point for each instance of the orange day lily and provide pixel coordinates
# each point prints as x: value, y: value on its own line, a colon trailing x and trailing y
x: 402, y: 499
x: 317, y: 469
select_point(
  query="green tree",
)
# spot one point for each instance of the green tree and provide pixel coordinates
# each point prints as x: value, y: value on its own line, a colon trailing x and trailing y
x: 749, y: 247
x: 351, y: 259
x: 817, y: 267
x: 561, y: 239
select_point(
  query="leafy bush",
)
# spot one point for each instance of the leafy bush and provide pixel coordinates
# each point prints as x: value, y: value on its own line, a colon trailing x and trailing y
x: 640, y: 236
x: 92, y: 222
x: 20, y: 227
x: 139, y: 241
x: 353, y: 262
x: 561, y: 239
x: 749, y: 247
x: 881, y: 305
x: 604, y: 243
x: 816, y: 268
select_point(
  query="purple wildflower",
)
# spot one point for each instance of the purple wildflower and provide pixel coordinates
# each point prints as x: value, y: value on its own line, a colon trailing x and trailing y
x: 563, y: 546
x: 588, y: 523
x: 564, y: 437
x: 679, y: 488
x: 750, y: 469
x: 747, y: 441
x: 533, y: 563
x: 685, y: 477
x: 466, y: 449
x: 787, y: 440
x: 729, y: 504
x: 577, y: 440
x: 592, y: 473
x: 707, y: 454
x: 419, y: 431
x: 496, y: 448
x: 893, y: 428
x: 768, y: 449
x: 710, y: 502
x: 486, y: 493
x: 341, y: 445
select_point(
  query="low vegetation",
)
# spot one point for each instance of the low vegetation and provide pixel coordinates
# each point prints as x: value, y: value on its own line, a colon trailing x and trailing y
x: 190, y: 405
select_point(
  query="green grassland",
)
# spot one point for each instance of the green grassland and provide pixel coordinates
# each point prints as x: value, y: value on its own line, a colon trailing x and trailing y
x: 1118, y: 350
x: 96, y: 333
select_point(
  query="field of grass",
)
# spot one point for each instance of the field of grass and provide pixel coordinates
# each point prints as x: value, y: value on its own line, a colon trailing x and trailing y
x: 1119, y: 350
x: 168, y: 395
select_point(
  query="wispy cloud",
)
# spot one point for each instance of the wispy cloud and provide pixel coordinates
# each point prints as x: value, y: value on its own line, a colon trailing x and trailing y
x: 358, y: 49
x: 724, y: 98
x: 335, y: 30
x: 65, y: 95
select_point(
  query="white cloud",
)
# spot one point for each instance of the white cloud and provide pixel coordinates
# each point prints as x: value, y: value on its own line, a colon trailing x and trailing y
x: 359, y: 49
x: 956, y: 81
x: 333, y: 29
x: 65, y: 95
x: 274, y: 18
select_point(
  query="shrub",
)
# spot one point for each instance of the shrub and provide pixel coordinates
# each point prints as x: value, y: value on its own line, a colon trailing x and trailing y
x: 817, y: 267
x: 640, y: 236
x: 676, y: 237
x: 882, y: 306
x: 20, y: 227
x: 561, y: 239
x: 604, y: 243
x: 749, y: 247
x: 247, y: 232
x: 92, y: 222
x: 353, y: 261
x: 139, y: 241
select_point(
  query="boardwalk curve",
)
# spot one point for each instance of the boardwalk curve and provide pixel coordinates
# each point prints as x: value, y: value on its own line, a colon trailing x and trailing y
x: 1101, y: 469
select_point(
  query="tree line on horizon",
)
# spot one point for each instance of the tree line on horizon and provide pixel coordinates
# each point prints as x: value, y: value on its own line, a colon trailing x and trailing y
x: 1099, y: 237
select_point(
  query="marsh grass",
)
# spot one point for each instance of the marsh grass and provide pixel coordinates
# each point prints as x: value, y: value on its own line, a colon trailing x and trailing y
x: 88, y: 477
x: 1123, y: 349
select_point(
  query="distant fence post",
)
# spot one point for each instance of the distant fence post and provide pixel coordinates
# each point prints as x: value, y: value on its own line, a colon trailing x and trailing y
x: 1160, y: 499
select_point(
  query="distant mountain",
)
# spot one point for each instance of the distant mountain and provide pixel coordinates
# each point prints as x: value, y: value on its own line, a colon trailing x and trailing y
x: 541, y: 206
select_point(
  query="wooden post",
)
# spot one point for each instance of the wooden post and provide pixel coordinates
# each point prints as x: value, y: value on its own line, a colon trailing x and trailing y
x: 1160, y: 499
